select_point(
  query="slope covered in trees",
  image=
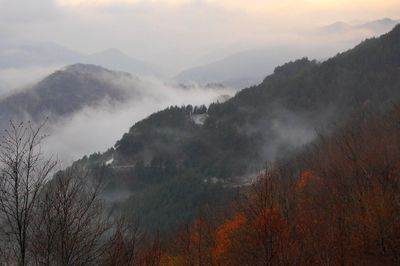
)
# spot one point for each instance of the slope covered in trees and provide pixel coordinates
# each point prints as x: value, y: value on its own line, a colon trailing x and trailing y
x: 261, y: 123
x: 302, y: 95
x: 335, y: 204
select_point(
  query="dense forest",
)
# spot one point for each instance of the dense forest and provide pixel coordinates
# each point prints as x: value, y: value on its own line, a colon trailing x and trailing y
x: 336, y: 203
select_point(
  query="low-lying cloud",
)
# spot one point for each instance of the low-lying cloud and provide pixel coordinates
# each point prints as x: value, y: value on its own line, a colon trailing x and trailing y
x: 95, y: 129
x: 16, y: 79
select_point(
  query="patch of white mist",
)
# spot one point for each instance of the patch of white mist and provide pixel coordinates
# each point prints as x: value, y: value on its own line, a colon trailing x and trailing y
x: 95, y: 129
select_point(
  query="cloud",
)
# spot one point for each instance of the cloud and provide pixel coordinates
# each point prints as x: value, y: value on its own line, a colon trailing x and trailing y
x: 120, y: 2
x: 22, y: 11
x: 16, y: 79
x: 95, y: 129
x: 272, y: 7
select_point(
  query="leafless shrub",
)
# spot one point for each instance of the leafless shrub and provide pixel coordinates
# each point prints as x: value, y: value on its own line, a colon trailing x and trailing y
x: 70, y: 226
x: 23, y: 173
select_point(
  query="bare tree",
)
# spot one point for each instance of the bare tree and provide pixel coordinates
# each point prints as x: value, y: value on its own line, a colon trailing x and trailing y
x: 71, y: 226
x: 153, y: 255
x: 24, y: 171
x: 127, y: 244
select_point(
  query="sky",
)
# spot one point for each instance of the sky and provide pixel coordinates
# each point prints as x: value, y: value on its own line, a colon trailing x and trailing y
x: 179, y: 33
x: 172, y: 34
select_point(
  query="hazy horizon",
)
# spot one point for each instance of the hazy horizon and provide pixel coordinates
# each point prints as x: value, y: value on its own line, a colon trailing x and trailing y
x: 175, y: 35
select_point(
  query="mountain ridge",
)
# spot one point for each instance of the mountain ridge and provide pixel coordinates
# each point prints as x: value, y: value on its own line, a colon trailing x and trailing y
x: 65, y: 92
x: 39, y: 54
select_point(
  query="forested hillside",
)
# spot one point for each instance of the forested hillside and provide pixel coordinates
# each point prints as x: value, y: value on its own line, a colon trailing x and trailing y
x: 245, y: 131
x: 336, y: 203
x: 235, y: 138
x: 66, y: 92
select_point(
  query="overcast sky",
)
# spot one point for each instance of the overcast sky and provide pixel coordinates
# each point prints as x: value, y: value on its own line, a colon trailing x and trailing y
x: 179, y: 33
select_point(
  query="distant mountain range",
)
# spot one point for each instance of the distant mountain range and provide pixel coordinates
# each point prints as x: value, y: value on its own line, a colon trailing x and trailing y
x: 249, y: 67
x: 239, y: 70
x: 375, y: 27
x: 29, y: 54
x: 117, y: 60
x: 26, y: 54
x: 242, y: 69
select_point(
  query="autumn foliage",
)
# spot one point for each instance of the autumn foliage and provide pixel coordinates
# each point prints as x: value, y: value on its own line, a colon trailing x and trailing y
x: 337, y: 204
x: 228, y: 239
